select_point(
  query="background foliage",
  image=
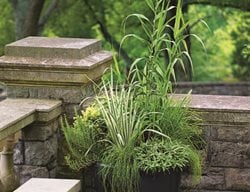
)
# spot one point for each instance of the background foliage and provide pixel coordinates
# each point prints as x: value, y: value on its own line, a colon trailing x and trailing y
x: 226, y: 57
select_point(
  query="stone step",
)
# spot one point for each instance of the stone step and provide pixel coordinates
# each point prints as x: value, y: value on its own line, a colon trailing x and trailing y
x: 50, y: 185
x: 44, y: 47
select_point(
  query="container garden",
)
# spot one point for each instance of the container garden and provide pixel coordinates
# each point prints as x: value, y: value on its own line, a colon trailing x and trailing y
x: 138, y: 129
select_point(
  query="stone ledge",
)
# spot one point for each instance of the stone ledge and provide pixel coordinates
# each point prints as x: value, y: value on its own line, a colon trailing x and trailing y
x: 64, y: 64
x: 220, y: 109
x: 221, y: 103
x: 205, y: 84
x: 18, y: 113
x: 51, y: 76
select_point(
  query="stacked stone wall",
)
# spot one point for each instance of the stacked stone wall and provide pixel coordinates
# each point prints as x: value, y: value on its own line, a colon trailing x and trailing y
x: 35, y: 155
x: 226, y: 165
x: 236, y: 89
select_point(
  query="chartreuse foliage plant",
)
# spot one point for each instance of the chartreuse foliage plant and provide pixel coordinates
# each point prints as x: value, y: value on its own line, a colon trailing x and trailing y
x: 83, y: 138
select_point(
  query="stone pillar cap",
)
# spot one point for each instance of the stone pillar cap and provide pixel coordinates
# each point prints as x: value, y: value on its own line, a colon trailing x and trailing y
x: 43, y: 60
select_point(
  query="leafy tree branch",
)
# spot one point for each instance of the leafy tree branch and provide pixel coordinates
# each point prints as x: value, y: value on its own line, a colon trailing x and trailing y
x: 239, y: 4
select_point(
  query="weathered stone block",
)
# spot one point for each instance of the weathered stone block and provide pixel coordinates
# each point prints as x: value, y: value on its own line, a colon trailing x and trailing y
x: 40, y: 132
x: 52, y: 165
x: 226, y: 154
x: 225, y: 117
x: 18, y: 156
x: 237, y: 179
x: 232, y: 133
x: 237, y: 89
x: 50, y: 185
x: 247, y: 157
x: 19, y: 113
x: 26, y: 172
x: 213, y: 179
x: 41, y: 153
x: 52, y: 173
x: 70, y: 109
x: 18, y: 92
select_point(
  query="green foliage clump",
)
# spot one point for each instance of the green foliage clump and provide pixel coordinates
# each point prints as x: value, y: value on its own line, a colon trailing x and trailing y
x: 140, y: 114
x: 172, y: 118
x: 83, y: 138
x: 157, y: 155
x: 124, y: 124
x: 241, y: 55
x: 7, y: 25
x: 213, y: 63
x: 174, y: 123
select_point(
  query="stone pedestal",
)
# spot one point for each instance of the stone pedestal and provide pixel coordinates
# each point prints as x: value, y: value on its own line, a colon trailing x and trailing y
x: 50, y: 68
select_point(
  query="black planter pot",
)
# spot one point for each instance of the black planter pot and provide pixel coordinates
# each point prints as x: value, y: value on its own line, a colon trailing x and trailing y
x: 160, y: 182
x: 90, y: 181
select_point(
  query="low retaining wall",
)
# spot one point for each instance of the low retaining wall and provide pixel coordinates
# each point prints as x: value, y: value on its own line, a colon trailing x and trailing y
x: 227, y: 156
x: 237, y: 89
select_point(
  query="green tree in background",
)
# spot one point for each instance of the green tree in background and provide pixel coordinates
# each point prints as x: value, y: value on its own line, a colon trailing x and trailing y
x: 7, y: 25
x: 213, y: 64
x: 241, y: 54
x: 103, y: 18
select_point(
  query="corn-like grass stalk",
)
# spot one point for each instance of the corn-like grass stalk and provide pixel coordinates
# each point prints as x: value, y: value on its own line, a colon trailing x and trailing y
x: 156, y: 74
